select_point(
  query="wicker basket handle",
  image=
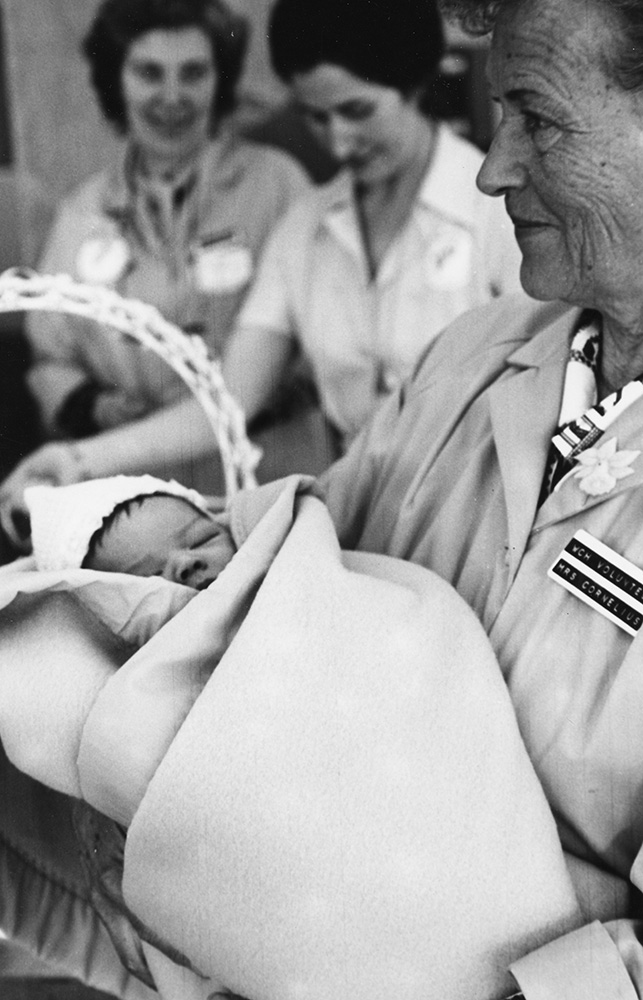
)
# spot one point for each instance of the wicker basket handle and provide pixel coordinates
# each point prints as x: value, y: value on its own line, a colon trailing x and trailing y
x: 26, y: 291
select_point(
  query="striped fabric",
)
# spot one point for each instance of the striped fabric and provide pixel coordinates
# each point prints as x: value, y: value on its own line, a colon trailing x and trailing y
x: 575, y: 423
x: 582, y: 419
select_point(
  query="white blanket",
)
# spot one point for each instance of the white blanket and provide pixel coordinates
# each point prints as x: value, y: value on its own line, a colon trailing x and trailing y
x: 343, y: 808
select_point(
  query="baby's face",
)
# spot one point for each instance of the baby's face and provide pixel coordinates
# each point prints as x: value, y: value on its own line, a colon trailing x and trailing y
x: 164, y: 536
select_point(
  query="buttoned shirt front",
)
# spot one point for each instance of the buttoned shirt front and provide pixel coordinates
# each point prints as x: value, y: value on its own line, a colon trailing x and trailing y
x: 363, y: 336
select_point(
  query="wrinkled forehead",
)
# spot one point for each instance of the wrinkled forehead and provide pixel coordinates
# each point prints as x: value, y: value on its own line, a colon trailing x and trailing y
x: 551, y: 41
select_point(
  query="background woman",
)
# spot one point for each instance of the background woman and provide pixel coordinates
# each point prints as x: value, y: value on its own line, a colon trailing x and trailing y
x: 365, y: 271
x: 178, y: 222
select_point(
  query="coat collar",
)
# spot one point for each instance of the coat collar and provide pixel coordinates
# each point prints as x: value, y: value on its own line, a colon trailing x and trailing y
x: 445, y: 190
x: 524, y: 413
x: 220, y: 163
x: 524, y: 410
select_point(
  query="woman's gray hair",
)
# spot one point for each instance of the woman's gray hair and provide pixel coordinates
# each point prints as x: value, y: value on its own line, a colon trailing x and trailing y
x: 624, y: 55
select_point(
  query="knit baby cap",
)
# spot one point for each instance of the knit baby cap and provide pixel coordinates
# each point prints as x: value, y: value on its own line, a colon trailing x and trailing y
x: 64, y: 518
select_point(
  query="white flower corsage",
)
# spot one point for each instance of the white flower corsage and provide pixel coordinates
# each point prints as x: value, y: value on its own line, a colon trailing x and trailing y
x: 103, y: 260
x: 600, y: 468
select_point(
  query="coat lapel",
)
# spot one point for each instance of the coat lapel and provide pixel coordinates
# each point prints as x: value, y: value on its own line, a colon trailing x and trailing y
x: 569, y: 499
x: 524, y: 411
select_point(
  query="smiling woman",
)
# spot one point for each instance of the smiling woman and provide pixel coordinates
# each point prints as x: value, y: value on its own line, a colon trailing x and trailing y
x: 169, y: 83
x: 177, y: 221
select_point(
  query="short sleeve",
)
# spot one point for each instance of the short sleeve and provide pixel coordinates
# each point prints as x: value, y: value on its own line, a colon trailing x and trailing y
x: 269, y: 304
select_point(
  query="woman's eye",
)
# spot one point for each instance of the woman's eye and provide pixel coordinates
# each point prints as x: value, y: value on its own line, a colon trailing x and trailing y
x: 356, y: 111
x: 533, y: 122
x: 543, y: 131
x: 194, y: 72
x: 148, y: 72
x: 315, y: 117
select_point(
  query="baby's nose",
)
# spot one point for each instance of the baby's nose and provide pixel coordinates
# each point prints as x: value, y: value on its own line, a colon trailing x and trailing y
x: 189, y: 569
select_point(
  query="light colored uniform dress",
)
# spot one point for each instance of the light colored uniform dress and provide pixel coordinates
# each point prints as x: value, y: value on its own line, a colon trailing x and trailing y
x: 189, y: 248
x: 362, y: 337
x: 448, y: 475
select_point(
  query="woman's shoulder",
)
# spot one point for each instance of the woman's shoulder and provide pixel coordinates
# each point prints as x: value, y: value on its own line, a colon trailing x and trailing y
x: 305, y: 215
x: 268, y: 162
x: 88, y: 195
x: 487, y: 336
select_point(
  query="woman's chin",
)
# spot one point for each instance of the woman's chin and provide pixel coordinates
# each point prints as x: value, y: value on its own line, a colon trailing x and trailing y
x: 171, y: 150
x: 542, y: 281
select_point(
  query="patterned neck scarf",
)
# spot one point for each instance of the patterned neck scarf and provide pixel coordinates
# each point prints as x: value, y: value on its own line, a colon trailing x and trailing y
x: 579, y: 396
x: 582, y: 419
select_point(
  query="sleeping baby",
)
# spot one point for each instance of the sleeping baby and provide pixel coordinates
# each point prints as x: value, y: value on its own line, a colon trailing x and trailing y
x: 130, y: 524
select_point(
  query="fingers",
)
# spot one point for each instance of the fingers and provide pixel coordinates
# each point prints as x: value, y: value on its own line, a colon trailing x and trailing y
x: 14, y: 517
x: 56, y: 463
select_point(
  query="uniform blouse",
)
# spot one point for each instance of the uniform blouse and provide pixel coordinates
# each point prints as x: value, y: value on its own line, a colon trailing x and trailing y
x: 189, y: 248
x: 362, y: 336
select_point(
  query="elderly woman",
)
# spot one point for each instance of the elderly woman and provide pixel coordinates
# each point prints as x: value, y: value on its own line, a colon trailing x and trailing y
x: 511, y: 464
x: 178, y: 221
x: 366, y: 271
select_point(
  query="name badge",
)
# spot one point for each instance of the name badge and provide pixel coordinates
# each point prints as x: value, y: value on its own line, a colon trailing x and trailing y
x: 221, y: 266
x: 448, y: 264
x: 103, y: 260
x: 603, y: 579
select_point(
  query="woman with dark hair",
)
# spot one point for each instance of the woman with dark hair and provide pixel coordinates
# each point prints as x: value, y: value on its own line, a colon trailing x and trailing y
x: 365, y: 271
x: 178, y: 222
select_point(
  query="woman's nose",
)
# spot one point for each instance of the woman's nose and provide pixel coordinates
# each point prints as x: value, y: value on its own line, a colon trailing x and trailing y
x: 341, y: 138
x: 503, y: 168
x: 171, y: 90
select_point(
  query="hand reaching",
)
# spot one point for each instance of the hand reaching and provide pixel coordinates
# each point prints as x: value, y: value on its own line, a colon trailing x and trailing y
x: 114, y: 408
x: 56, y: 463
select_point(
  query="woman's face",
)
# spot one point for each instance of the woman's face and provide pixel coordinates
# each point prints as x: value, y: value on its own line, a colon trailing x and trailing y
x: 371, y: 129
x: 169, y: 83
x: 568, y: 154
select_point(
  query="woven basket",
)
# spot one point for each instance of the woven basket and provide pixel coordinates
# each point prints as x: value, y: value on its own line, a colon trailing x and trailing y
x: 187, y: 355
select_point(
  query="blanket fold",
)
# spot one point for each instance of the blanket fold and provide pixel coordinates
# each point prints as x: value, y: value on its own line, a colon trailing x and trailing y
x: 343, y: 807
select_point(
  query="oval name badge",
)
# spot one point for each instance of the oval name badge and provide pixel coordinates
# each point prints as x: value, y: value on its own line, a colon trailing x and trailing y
x: 222, y: 267
x: 449, y: 260
x: 102, y: 260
